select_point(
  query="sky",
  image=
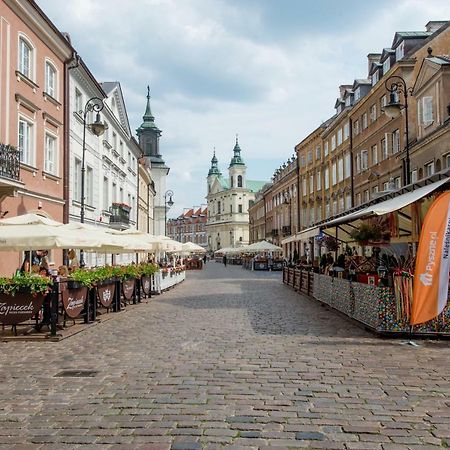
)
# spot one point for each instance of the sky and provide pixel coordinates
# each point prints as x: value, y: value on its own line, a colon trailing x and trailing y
x: 267, y: 70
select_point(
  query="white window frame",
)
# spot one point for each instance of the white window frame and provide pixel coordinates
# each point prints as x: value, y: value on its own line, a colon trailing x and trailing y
x: 427, y: 110
x: 347, y: 165
x: 78, y: 101
x: 365, y: 123
x: 29, y: 70
x: 325, y: 148
x: 374, y: 152
x: 311, y: 184
x: 77, y: 179
x: 346, y: 131
x: 339, y: 137
x: 333, y: 142
x: 334, y: 173
x: 387, y: 65
x: 326, y: 178
x: 318, y: 181
x: 89, y: 188
x: 50, y: 163
x: 364, y: 159
x: 395, y: 141
x: 51, y: 71
x: 31, y: 140
x: 340, y: 170
x: 429, y: 169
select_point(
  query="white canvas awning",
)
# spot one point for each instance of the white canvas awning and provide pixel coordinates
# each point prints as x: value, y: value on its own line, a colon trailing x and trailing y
x: 303, y: 235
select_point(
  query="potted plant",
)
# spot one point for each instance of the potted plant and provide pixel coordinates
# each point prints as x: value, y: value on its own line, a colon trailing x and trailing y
x: 330, y: 243
x: 366, y: 232
x: 25, y: 283
x: 81, y: 278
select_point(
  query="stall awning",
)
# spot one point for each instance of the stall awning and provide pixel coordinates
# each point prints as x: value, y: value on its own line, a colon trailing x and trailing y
x: 302, y: 235
x: 387, y: 206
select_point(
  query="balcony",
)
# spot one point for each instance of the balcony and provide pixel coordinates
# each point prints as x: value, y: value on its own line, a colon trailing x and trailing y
x: 286, y: 230
x: 120, y: 216
x: 9, y: 170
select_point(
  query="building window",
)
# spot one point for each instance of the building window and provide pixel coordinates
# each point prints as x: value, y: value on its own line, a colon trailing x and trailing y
x: 318, y: 152
x: 304, y: 186
x: 395, y: 142
x: 383, y: 101
x: 375, y: 77
x: 356, y: 127
x: 346, y: 131
x: 121, y: 200
x: 302, y: 161
x: 50, y: 154
x: 333, y: 142
x: 114, y: 141
x: 89, y: 186
x: 374, y: 155
x: 311, y: 184
x: 339, y: 136
x: 358, y: 163
x: 414, y: 176
x: 114, y: 192
x: 105, y: 194
x: 429, y: 169
x: 26, y: 142
x: 327, y: 210
x: 366, y: 195
x: 239, y: 181
x: 427, y: 111
x: 121, y: 148
x: 348, y: 168
x: 400, y: 51
x: 348, y: 201
x: 335, y: 207
x: 240, y: 208
x: 326, y: 178
x: 78, y: 101
x: 357, y: 94
x: 318, y: 181
x: 387, y: 65
x: 447, y: 161
x: 397, y: 183
x: 374, y: 191
x: 50, y: 80
x: 218, y: 207
x: 364, y: 160
x: 25, y: 58
x: 77, y: 180
x: 373, y: 113
x: 358, y: 198
x: 334, y: 173
x: 340, y: 169
x: 384, y: 149
x: 364, y: 121
x: 325, y: 151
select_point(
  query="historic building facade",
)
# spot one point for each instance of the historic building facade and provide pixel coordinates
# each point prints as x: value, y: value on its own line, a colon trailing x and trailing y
x: 33, y: 62
x: 228, y: 201
x: 190, y: 226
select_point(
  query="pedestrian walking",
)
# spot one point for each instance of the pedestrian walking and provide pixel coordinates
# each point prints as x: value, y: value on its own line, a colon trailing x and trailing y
x: 225, y: 260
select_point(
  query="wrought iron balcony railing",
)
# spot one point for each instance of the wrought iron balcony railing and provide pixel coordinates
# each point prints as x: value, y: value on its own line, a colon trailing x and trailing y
x: 9, y: 162
x: 120, y: 214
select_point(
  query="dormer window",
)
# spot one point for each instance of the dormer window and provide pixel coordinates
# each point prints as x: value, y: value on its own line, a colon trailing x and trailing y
x: 339, y: 108
x: 400, y: 51
x: 357, y: 94
x: 348, y: 101
x: 375, y: 78
x: 387, y: 65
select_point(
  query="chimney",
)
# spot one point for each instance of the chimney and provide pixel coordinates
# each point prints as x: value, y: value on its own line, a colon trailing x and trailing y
x: 371, y: 58
x: 434, y: 25
x: 342, y: 89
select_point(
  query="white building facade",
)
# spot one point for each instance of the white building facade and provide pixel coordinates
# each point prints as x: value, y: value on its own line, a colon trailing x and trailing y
x: 111, y: 160
x: 228, y: 201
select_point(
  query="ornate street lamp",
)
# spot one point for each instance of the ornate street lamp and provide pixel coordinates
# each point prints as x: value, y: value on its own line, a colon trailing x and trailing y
x: 94, y: 104
x: 397, y: 85
x: 167, y: 205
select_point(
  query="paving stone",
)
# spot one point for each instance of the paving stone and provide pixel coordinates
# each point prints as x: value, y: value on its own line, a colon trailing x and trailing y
x: 309, y: 436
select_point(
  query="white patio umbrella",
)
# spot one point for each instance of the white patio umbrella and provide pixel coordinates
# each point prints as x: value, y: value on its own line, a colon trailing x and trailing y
x: 29, y: 219
x: 191, y: 247
x: 167, y: 244
x: 262, y: 246
x: 44, y: 237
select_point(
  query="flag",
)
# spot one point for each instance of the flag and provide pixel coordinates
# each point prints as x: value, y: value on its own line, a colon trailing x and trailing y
x: 430, y: 290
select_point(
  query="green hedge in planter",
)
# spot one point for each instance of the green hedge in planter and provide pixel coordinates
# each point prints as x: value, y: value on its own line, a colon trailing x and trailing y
x: 34, y: 284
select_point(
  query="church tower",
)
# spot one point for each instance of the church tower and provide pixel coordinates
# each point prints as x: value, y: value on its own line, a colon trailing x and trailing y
x: 213, y: 171
x: 237, y: 169
x: 148, y: 135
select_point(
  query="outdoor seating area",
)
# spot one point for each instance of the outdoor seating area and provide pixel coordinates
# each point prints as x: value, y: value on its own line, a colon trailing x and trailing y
x: 39, y: 300
x: 378, y: 265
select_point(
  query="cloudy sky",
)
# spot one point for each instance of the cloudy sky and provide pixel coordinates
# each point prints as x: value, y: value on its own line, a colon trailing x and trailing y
x: 268, y: 70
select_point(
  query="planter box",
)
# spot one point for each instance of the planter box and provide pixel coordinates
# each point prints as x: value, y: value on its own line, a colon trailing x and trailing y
x: 105, y: 293
x: 74, y: 301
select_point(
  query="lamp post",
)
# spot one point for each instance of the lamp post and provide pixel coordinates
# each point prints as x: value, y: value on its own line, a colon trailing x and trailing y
x: 94, y: 104
x: 167, y: 205
x: 397, y: 85
x: 287, y: 201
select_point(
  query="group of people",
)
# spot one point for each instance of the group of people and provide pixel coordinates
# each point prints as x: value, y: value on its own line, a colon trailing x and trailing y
x: 37, y: 263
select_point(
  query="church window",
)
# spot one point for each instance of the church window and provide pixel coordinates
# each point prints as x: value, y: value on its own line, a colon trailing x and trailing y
x: 240, y: 208
x: 231, y: 182
x: 239, y: 180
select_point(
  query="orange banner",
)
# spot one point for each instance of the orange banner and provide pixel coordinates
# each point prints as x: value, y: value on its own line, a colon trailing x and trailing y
x: 430, y: 291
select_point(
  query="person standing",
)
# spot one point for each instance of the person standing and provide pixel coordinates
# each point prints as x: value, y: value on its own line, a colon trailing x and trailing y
x: 225, y: 260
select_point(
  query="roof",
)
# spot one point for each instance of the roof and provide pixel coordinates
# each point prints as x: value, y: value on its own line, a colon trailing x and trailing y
x: 223, y: 182
x: 255, y: 186
x: 441, y: 60
x: 401, y: 35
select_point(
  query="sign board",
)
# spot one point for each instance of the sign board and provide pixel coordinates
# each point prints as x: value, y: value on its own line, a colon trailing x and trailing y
x: 73, y: 301
x: 19, y: 308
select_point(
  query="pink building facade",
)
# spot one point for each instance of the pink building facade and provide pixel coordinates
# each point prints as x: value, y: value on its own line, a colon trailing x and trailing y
x: 33, y: 61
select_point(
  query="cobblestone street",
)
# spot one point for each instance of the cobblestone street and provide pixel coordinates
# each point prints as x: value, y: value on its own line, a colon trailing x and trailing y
x: 228, y: 358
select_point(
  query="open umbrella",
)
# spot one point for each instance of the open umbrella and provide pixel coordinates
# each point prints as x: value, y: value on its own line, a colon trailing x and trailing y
x: 29, y: 219
x: 190, y: 247
x: 262, y: 246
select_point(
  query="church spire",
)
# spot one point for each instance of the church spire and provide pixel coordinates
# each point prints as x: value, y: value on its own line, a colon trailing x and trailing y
x: 148, y: 117
x: 214, y: 170
x: 237, y: 160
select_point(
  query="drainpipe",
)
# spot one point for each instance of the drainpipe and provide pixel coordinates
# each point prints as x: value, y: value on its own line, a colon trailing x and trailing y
x: 352, y: 180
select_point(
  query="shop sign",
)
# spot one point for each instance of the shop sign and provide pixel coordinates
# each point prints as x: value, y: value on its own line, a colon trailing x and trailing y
x: 128, y: 288
x: 19, y: 308
x: 106, y: 294
x: 73, y: 301
x: 146, y: 285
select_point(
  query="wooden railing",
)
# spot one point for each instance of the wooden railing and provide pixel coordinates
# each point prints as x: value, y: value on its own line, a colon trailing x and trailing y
x: 301, y: 280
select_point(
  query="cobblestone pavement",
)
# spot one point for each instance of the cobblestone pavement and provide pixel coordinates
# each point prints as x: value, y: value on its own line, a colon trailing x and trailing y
x: 229, y: 358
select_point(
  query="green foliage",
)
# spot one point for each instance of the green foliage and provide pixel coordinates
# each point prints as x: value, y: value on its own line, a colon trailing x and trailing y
x: 148, y: 269
x: 34, y: 284
x: 366, y: 232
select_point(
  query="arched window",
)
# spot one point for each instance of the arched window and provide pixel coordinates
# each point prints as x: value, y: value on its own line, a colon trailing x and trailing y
x: 25, y: 58
x: 50, y: 79
x: 239, y: 180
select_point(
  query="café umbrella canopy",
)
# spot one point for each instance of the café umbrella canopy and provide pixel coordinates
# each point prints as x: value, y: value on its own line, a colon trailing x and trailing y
x: 262, y: 246
x: 191, y: 247
x: 29, y: 219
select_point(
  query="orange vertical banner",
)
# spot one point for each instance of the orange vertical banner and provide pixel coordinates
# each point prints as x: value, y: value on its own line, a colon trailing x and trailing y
x: 430, y: 291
